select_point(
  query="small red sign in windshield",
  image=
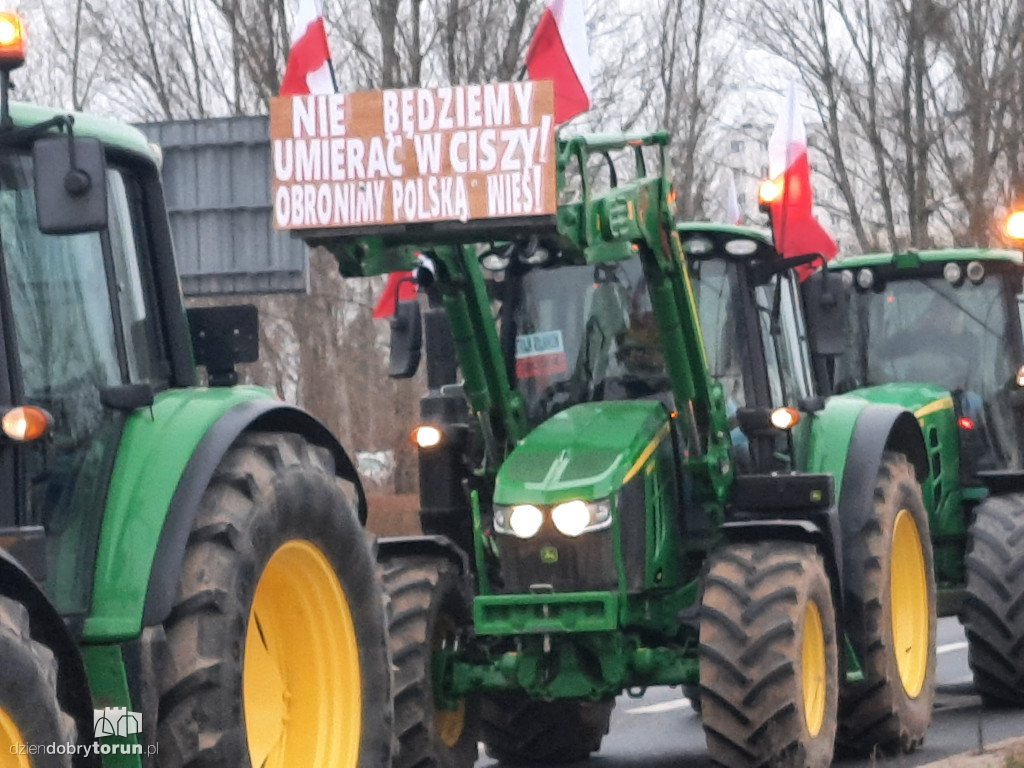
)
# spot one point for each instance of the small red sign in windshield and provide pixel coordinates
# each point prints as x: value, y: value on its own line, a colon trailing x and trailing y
x: 546, y: 364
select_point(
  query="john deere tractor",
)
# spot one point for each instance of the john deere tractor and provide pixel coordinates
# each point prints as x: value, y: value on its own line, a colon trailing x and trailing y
x: 939, y: 333
x: 184, y: 576
x: 612, y: 499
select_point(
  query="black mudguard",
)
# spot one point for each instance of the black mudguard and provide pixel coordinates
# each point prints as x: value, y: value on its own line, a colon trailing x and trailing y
x: 434, y: 546
x: 879, y: 428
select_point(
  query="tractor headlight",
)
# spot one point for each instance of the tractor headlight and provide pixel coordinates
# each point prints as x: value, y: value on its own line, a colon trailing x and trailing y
x: 575, y: 517
x: 522, y: 520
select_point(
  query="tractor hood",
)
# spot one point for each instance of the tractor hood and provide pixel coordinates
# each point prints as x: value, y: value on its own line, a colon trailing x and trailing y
x: 585, y: 452
x: 919, y: 399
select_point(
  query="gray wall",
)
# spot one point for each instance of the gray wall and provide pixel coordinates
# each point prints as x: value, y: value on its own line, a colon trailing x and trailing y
x: 216, y: 176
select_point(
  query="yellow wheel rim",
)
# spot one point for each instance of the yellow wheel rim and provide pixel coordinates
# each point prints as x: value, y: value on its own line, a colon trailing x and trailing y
x: 301, y: 684
x: 10, y: 739
x: 909, y: 593
x: 815, y: 670
x: 450, y: 723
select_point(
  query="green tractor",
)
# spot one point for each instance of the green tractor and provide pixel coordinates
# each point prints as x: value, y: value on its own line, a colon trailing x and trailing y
x: 939, y: 333
x: 612, y: 499
x: 184, y: 576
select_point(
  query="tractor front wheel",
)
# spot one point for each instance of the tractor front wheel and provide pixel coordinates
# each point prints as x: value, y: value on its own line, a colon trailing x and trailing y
x: 890, y: 709
x: 431, y: 604
x: 769, y: 657
x: 520, y: 730
x: 994, y: 607
x: 30, y: 714
x: 277, y: 651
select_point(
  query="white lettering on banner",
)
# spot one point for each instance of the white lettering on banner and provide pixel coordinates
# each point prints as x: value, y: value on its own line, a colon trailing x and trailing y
x: 433, y: 197
x: 322, y: 115
x: 321, y: 205
x: 428, y: 153
x: 409, y: 111
x: 514, y: 194
x: 413, y: 155
x: 304, y: 160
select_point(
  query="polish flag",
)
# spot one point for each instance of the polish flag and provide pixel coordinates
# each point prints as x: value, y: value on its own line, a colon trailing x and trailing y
x: 309, y: 60
x: 559, y: 52
x: 394, y: 292
x: 796, y: 230
x: 733, y: 212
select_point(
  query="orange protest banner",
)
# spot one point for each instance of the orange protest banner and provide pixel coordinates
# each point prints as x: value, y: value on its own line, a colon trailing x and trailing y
x: 413, y: 155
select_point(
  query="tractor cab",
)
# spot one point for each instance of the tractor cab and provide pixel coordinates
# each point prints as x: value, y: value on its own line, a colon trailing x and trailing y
x: 575, y: 333
x: 949, y: 318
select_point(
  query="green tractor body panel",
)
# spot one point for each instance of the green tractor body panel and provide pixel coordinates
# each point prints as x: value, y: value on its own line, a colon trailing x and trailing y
x: 109, y: 683
x: 585, y: 452
x: 151, y: 457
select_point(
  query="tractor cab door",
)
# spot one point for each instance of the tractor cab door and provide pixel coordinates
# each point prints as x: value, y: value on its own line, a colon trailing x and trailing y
x: 78, y: 327
x: 756, y: 345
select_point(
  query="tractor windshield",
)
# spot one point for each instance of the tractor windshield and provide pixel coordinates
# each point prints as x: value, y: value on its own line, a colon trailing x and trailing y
x: 927, y: 329
x: 574, y: 334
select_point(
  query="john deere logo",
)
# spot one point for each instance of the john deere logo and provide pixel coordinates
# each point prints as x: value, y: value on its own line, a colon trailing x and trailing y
x: 548, y: 555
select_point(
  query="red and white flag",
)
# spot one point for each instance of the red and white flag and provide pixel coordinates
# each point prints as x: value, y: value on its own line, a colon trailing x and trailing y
x: 559, y: 52
x: 733, y: 212
x: 796, y: 230
x: 309, y: 60
x: 400, y: 287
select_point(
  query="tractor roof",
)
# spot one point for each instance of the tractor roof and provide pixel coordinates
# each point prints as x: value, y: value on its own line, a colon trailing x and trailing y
x: 914, y: 259
x: 111, y: 132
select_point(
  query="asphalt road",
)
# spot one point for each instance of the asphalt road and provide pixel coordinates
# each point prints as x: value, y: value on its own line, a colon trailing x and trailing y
x: 660, y: 730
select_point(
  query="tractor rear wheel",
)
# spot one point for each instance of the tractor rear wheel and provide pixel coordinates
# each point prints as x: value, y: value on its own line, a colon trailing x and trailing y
x: 30, y: 714
x: 769, y: 657
x: 517, y: 729
x: 890, y: 709
x: 277, y: 651
x: 431, y: 603
x: 993, y: 612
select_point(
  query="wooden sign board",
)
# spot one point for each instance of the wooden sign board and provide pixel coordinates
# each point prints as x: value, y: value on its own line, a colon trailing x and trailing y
x: 413, y: 155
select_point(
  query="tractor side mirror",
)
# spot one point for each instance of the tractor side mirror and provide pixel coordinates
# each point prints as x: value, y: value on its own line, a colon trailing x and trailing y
x: 70, y: 178
x: 826, y: 308
x: 406, y: 340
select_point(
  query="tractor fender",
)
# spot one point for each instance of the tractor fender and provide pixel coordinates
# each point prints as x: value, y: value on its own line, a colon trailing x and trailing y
x: 878, y: 428
x: 262, y: 415
x: 433, y: 546
x: 820, y: 528
x: 49, y: 628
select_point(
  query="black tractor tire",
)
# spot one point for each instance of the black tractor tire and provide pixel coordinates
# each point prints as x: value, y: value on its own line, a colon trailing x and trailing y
x: 769, y: 657
x: 431, y: 604
x: 879, y: 713
x: 242, y: 596
x: 692, y: 695
x: 28, y: 694
x: 519, y: 730
x: 993, y: 612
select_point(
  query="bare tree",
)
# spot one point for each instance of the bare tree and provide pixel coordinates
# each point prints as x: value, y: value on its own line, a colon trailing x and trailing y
x: 691, y: 70
x: 975, y: 93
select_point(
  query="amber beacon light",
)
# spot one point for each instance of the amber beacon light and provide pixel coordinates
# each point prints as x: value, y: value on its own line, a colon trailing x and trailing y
x: 1015, y: 225
x: 12, y: 40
